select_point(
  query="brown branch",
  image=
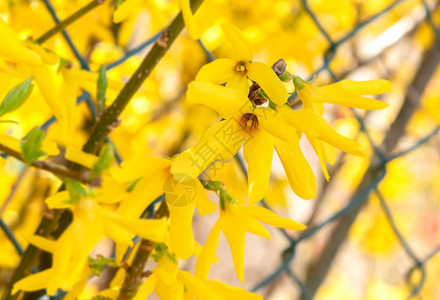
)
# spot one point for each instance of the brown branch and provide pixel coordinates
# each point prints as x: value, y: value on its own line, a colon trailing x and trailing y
x: 136, y: 270
x: 319, y: 269
x: 57, y: 170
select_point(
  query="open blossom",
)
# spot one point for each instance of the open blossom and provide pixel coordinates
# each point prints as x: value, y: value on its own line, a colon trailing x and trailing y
x: 169, y: 282
x: 182, y: 196
x: 235, y: 221
x: 262, y: 129
x: 344, y: 92
x: 237, y: 70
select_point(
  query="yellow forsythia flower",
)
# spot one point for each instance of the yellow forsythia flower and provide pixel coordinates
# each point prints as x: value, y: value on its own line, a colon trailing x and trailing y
x: 236, y: 71
x: 171, y: 283
x: 344, y: 92
x: 235, y: 221
x: 262, y: 129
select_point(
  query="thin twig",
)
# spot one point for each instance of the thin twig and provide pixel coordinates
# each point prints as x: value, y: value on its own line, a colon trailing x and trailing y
x: 111, y: 114
x: 136, y: 270
x: 57, y: 170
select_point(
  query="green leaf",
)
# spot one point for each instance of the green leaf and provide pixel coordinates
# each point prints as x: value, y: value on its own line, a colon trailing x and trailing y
x: 16, y: 96
x: 106, y: 158
x: 212, y: 185
x: 31, y: 145
x: 299, y: 83
x: 76, y: 190
x: 161, y: 250
x: 101, y: 88
x: 97, y: 264
x: 285, y: 77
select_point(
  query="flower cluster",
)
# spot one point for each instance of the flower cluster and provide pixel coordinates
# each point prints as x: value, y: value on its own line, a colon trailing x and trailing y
x: 252, y: 100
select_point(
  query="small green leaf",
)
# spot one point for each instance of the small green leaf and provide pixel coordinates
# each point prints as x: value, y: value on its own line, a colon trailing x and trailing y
x: 299, y: 83
x: 101, y: 88
x: 31, y: 145
x: 106, y: 158
x: 76, y: 190
x: 97, y: 264
x: 161, y: 250
x: 16, y: 96
x: 212, y: 185
x: 285, y: 77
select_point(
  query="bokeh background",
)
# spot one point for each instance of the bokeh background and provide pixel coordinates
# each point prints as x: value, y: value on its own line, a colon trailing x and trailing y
x: 374, y: 228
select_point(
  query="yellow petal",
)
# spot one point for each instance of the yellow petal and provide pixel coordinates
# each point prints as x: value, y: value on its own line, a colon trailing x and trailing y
x: 68, y: 92
x: 226, y: 101
x: 12, y: 48
x: 47, y: 57
x: 329, y: 153
x: 152, y: 229
x: 124, y: 10
x: 207, y: 255
x: 256, y: 228
x: 258, y: 152
x: 338, y: 95
x: 300, y: 175
x: 268, y: 81
x: 59, y: 201
x: 144, y: 193
x: 218, y: 71
x: 204, y: 206
x: 62, y: 255
x: 190, y: 23
x: 232, y: 292
x: 117, y: 233
x: 239, y: 82
x: 197, y: 287
x: 221, y: 141
x: 234, y: 228
x: 33, y: 282
x: 10, y: 142
x: 317, y: 146
x: 180, y: 230
x: 78, y: 288
x: 42, y: 243
x: 368, y: 87
x: 272, y: 122
x: 82, y: 158
x: 269, y: 217
x: 50, y: 148
x: 242, y: 49
x: 168, y: 285
x: 315, y: 126
x: 136, y: 168
x: 147, y: 287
